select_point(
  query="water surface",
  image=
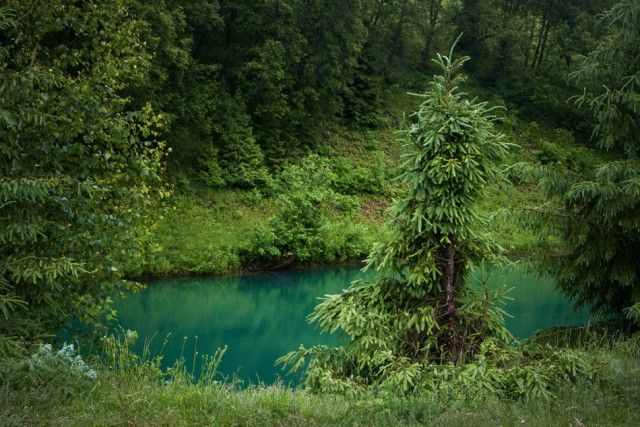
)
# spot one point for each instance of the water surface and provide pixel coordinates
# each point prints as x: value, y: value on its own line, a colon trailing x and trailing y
x: 261, y: 317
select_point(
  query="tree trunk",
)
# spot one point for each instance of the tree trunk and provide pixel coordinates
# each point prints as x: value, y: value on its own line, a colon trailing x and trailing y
x: 452, y: 312
x: 397, y: 42
x: 228, y: 38
x: 527, y: 54
x: 544, y: 44
x: 425, y: 55
x: 539, y: 44
x: 434, y: 12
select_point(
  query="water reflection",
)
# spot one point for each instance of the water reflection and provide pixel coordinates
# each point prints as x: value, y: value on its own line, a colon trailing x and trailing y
x: 261, y: 317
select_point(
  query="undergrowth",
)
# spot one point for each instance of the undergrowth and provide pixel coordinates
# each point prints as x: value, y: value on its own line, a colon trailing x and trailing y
x: 132, y: 391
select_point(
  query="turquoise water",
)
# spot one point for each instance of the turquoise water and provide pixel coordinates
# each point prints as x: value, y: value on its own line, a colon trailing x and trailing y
x: 261, y: 317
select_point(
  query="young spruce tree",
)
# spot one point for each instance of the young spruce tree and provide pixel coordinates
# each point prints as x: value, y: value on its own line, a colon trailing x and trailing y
x: 419, y: 313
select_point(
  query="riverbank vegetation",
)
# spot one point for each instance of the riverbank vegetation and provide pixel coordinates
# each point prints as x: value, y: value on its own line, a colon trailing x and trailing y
x: 202, y: 136
x: 207, y: 231
x: 141, y: 393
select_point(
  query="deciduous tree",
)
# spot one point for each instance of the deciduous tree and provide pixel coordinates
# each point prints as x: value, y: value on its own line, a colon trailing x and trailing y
x: 78, y: 166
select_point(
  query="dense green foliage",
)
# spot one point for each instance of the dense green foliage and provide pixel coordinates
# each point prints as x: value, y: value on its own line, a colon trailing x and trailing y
x: 248, y: 83
x: 298, y: 231
x: 596, y: 216
x: 279, y: 118
x: 215, y: 231
x: 253, y: 84
x: 78, y: 165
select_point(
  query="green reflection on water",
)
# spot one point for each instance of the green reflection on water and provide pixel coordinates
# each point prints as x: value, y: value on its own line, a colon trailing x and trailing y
x: 261, y: 317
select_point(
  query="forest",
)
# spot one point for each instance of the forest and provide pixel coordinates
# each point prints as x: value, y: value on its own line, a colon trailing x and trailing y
x: 282, y: 171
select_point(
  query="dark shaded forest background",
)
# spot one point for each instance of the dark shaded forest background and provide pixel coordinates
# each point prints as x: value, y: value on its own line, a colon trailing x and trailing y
x: 249, y: 85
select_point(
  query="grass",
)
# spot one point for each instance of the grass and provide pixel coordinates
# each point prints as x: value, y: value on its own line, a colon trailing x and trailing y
x: 205, y: 234
x: 202, y: 233
x: 142, y: 395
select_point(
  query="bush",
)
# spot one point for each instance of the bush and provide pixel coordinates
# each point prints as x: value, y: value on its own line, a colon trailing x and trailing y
x: 305, y: 201
x: 345, y: 240
x: 530, y: 373
x: 360, y: 180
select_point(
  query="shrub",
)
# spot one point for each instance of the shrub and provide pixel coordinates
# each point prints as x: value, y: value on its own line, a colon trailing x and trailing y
x: 305, y: 200
x: 360, y: 180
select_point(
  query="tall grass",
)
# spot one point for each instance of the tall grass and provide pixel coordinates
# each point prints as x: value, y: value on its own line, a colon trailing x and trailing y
x: 135, y: 391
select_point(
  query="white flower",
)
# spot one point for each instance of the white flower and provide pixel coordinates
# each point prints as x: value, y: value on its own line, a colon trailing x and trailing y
x: 45, y: 357
x: 67, y: 351
x: 46, y: 348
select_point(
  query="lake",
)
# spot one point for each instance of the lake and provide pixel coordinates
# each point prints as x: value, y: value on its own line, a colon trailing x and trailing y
x: 260, y: 317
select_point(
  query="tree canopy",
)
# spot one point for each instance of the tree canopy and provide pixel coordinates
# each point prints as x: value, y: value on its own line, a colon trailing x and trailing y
x: 79, y: 166
x: 597, y: 218
x: 253, y: 84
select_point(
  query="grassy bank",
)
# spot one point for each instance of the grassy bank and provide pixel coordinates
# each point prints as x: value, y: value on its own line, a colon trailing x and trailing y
x: 140, y: 394
x: 210, y: 231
